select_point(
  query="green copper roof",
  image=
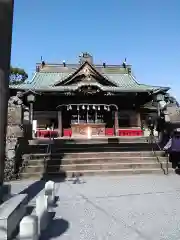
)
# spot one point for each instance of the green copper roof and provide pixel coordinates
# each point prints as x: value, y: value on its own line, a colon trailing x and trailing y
x: 46, y: 81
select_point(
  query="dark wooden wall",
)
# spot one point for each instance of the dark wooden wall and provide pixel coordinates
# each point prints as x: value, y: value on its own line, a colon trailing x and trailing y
x: 50, y: 102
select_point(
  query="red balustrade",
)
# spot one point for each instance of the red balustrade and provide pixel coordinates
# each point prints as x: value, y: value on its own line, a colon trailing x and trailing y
x: 46, y: 133
x: 67, y: 132
x: 109, y: 131
x: 130, y: 132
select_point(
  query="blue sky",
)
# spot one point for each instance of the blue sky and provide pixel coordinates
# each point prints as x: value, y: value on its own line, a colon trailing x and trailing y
x: 147, y: 33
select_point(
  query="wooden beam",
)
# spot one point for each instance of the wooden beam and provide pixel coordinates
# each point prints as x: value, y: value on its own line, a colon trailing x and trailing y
x: 6, y: 20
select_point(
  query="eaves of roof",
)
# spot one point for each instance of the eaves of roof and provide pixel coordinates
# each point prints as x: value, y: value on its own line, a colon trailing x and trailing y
x: 45, y: 81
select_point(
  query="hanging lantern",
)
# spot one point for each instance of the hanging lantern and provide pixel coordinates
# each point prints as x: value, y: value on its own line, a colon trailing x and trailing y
x: 83, y: 107
x: 99, y: 108
x: 67, y: 108
x: 108, y: 108
x: 88, y: 107
x: 77, y: 107
x: 94, y: 107
x: 70, y: 107
x: 105, y: 108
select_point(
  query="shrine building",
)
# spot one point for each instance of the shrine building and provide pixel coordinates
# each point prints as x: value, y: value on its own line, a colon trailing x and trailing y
x: 88, y: 100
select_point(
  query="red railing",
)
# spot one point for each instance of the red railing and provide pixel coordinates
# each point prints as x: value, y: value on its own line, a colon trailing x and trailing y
x: 67, y: 132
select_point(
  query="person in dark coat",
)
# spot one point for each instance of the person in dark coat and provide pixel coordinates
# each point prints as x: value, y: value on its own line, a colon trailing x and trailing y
x: 150, y: 123
x: 173, y: 148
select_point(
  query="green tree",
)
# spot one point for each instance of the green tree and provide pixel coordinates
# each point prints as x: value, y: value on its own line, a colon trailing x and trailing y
x: 17, y: 76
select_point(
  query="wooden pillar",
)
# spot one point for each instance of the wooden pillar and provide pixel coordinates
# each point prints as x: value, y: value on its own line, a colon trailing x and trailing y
x: 6, y: 21
x: 60, y: 123
x: 138, y: 117
x: 87, y: 115
x: 78, y: 115
x: 116, y: 123
x: 95, y: 116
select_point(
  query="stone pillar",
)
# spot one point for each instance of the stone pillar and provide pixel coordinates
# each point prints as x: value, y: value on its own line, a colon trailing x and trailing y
x: 116, y: 123
x: 14, y: 133
x: 60, y: 123
x: 26, y: 123
x: 6, y: 20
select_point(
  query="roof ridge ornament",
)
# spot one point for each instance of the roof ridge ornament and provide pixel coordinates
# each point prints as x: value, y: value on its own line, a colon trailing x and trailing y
x: 85, y: 57
x: 64, y: 63
x: 125, y: 63
x: 42, y: 62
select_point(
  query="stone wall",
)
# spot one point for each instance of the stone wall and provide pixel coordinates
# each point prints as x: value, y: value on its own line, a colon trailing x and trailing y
x: 15, y: 138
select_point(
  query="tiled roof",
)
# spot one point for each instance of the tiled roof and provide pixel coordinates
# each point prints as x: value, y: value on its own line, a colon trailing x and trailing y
x: 45, y: 81
x: 173, y: 113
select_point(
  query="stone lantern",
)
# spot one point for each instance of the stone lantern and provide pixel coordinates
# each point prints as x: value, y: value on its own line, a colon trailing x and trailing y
x: 31, y: 100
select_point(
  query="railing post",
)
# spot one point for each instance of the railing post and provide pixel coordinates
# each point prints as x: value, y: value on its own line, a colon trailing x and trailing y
x: 167, y: 165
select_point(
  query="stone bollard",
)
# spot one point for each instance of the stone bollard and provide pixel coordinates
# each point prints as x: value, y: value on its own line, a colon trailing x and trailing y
x: 28, y: 229
x: 50, y: 192
x: 42, y: 212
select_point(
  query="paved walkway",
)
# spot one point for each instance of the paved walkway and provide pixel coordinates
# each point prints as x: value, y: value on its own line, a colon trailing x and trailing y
x: 143, y: 207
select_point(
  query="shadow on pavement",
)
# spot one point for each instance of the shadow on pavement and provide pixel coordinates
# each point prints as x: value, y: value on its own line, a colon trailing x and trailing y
x: 56, y: 228
x: 56, y: 178
x: 177, y: 171
x: 33, y: 190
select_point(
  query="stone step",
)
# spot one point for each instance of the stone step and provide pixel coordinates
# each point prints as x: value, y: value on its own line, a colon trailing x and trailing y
x: 107, y: 172
x: 103, y: 149
x: 96, y: 144
x: 66, y: 161
x: 93, y: 166
x: 91, y: 147
x: 94, y: 140
x: 78, y: 155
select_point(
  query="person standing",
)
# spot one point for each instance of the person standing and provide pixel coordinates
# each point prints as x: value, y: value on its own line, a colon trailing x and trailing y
x: 173, y: 148
x: 150, y: 124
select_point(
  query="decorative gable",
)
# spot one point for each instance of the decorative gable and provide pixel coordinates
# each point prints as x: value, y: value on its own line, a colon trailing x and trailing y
x: 86, y: 73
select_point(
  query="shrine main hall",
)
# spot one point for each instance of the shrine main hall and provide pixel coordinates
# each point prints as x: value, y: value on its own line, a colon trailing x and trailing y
x: 88, y: 100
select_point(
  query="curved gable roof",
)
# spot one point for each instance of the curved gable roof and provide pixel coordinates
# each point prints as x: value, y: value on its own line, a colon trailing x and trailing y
x: 46, y: 80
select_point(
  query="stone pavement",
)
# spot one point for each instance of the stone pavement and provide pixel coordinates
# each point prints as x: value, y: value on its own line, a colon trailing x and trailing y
x: 142, y: 207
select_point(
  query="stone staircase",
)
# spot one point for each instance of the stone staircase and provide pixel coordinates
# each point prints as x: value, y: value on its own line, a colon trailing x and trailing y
x: 92, y: 157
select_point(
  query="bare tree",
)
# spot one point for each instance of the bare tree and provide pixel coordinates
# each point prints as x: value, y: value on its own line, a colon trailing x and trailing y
x: 6, y: 21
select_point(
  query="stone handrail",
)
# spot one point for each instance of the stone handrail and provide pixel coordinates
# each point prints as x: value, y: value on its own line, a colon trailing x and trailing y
x: 11, y: 213
x: 32, y: 226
